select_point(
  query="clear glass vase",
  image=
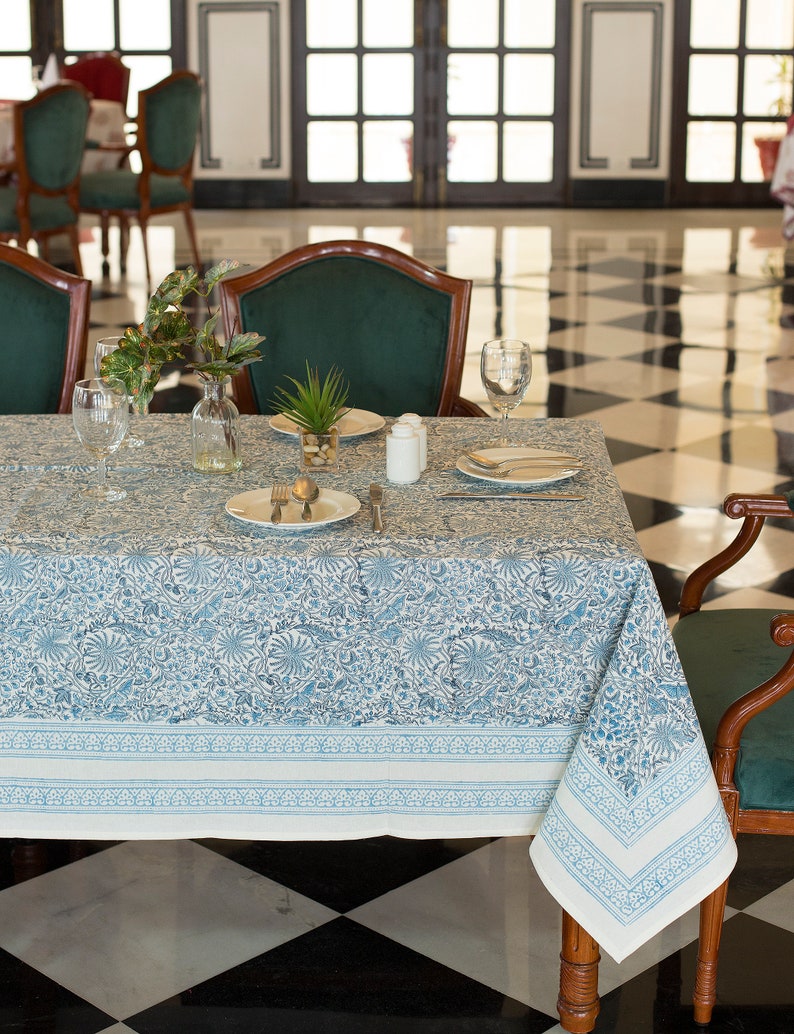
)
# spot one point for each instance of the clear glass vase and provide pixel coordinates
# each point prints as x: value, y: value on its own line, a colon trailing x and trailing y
x: 319, y: 451
x: 215, y: 432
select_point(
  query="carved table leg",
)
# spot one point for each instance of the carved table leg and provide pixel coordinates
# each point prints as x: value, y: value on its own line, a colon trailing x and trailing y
x: 578, y: 1002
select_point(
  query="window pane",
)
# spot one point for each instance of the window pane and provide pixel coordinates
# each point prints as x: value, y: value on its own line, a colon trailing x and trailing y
x: 712, y: 84
x: 144, y: 72
x: 331, y: 23
x: 767, y: 85
x: 386, y: 152
x: 529, y: 25
x: 714, y: 23
x: 529, y: 84
x: 388, y: 24
x: 388, y: 84
x: 710, y: 152
x: 331, y: 84
x: 16, y: 79
x: 85, y: 29
x: 145, y: 24
x: 473, y: 84
x: 751, y: 171
x: 770, y: 24
x: 528, y: 151
x: 472, y: 152
x: 473, y: 23
x: 332, y: 152
x: 16, y: 27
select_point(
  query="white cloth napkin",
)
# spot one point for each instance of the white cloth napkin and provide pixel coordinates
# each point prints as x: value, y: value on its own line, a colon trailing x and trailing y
x: 52, y: 73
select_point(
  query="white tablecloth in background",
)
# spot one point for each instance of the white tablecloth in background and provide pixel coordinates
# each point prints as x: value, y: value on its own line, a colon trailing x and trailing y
x: 105, y: 126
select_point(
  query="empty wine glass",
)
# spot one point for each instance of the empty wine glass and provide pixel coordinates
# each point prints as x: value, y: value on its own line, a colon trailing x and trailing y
x: 100, y: 414
x: 103, y: 347
x: 506, y: 370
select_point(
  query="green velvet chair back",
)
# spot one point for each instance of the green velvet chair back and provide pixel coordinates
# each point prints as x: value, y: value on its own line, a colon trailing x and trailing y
x: 395, y: 326
x: 171, y: 115
x: 52, y: 140
x: 45, y: 326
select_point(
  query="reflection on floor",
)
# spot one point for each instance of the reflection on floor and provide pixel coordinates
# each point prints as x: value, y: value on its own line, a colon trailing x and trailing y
x: 674, y: 330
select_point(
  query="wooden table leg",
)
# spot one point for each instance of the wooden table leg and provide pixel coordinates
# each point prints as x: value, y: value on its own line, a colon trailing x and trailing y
x: 578, y: 1002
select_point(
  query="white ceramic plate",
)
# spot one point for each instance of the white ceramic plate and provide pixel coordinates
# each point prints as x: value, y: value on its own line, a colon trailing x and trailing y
x: 526, y: 476
x: 255, y: 508
x: 355, y: 422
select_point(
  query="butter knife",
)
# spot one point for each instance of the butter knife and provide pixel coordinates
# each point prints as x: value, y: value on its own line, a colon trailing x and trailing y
x: 531, y: 497
x: 376, y: 498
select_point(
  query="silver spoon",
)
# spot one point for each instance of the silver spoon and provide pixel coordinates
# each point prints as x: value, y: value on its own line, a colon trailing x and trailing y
x: 305, y: 490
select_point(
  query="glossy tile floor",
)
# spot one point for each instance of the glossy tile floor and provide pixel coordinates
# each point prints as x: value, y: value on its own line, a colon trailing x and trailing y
x: 674, y: 330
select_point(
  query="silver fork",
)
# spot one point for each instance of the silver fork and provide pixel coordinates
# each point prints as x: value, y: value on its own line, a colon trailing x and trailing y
x: 279, y: 496
x: 560, y: 460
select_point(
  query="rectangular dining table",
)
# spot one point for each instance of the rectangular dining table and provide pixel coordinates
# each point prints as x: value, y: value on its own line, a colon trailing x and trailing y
x: 493, y: 667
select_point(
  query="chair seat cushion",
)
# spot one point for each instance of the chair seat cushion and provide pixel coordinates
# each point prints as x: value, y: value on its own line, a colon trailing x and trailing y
x: 46, y: 213
x: 724, y: 654
x: 118, y: 189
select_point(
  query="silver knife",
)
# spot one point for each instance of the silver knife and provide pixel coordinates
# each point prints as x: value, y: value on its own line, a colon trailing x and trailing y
x: 530, y: 496
x: 376, y: 498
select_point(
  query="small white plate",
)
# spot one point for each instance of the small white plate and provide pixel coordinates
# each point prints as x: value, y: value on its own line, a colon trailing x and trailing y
x: 355, y: 422
x: 525, y: 476
x: 255, y: 508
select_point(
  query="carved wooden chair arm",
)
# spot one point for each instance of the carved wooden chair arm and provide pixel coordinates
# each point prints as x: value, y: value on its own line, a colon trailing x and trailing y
x: 752, y: 510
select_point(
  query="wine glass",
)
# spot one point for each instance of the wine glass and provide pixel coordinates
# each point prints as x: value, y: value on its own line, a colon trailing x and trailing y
x: 101, y: 414
x: 103, y: 347
x: 506, y: 370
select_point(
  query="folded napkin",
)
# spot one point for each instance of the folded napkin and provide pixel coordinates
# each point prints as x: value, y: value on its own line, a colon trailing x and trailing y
x: 52, y: 73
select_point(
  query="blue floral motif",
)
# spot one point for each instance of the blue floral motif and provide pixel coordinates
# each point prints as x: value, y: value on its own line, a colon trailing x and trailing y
x: 489, y: 615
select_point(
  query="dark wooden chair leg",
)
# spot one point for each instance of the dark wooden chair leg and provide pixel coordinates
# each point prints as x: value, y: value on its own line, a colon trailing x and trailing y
x: 578, y: 1002
x: 28, y: 859
x: 712, y: 913
x: 191, y: 232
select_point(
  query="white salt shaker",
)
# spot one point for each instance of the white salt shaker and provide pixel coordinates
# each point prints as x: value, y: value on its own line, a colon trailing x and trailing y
x: 416, y: 422
x: 402, y: 454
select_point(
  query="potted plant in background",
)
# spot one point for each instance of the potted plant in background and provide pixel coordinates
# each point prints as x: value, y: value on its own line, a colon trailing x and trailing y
x: 769, y: 146
x: 315, y: 407
x: 167, y: 334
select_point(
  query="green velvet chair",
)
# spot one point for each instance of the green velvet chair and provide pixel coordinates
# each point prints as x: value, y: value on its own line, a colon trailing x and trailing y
x: 395, y: 326
x: 49, y: 139
x: 168, y: 125
x: 740, y: 668
x: 45, y: 331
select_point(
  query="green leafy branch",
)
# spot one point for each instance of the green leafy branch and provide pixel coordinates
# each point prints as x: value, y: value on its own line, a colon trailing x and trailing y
x: 167, y: 332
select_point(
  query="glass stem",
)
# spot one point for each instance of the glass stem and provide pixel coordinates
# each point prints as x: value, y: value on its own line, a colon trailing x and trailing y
x: 503, y: 425
x: 103, y: 471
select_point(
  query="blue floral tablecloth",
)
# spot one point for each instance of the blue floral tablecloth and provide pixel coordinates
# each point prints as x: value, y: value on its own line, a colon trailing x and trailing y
x: 482, y: 668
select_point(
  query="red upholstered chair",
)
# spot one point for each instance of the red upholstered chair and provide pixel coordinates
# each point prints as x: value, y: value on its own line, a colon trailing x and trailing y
x: 103, y: 74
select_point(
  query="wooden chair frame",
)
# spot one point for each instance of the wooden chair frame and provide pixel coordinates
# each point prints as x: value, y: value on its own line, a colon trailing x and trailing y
x: 78, y: 290
x: 752, y: 510
x: 459, y: 291
x: 149, y: 167
x: 26, y: 186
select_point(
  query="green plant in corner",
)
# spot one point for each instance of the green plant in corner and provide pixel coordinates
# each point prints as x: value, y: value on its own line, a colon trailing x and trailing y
x: 314, y: 406
x: 167, y: 333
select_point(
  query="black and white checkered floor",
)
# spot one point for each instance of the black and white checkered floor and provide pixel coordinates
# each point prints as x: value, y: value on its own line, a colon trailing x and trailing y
x: 674, y: 330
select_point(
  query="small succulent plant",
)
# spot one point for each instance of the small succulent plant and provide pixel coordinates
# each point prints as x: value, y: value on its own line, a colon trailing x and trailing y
x: 315, y: 405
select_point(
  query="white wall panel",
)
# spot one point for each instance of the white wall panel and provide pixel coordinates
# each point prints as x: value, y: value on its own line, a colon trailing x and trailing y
x: 620, y: 89
x: 240, y: 49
